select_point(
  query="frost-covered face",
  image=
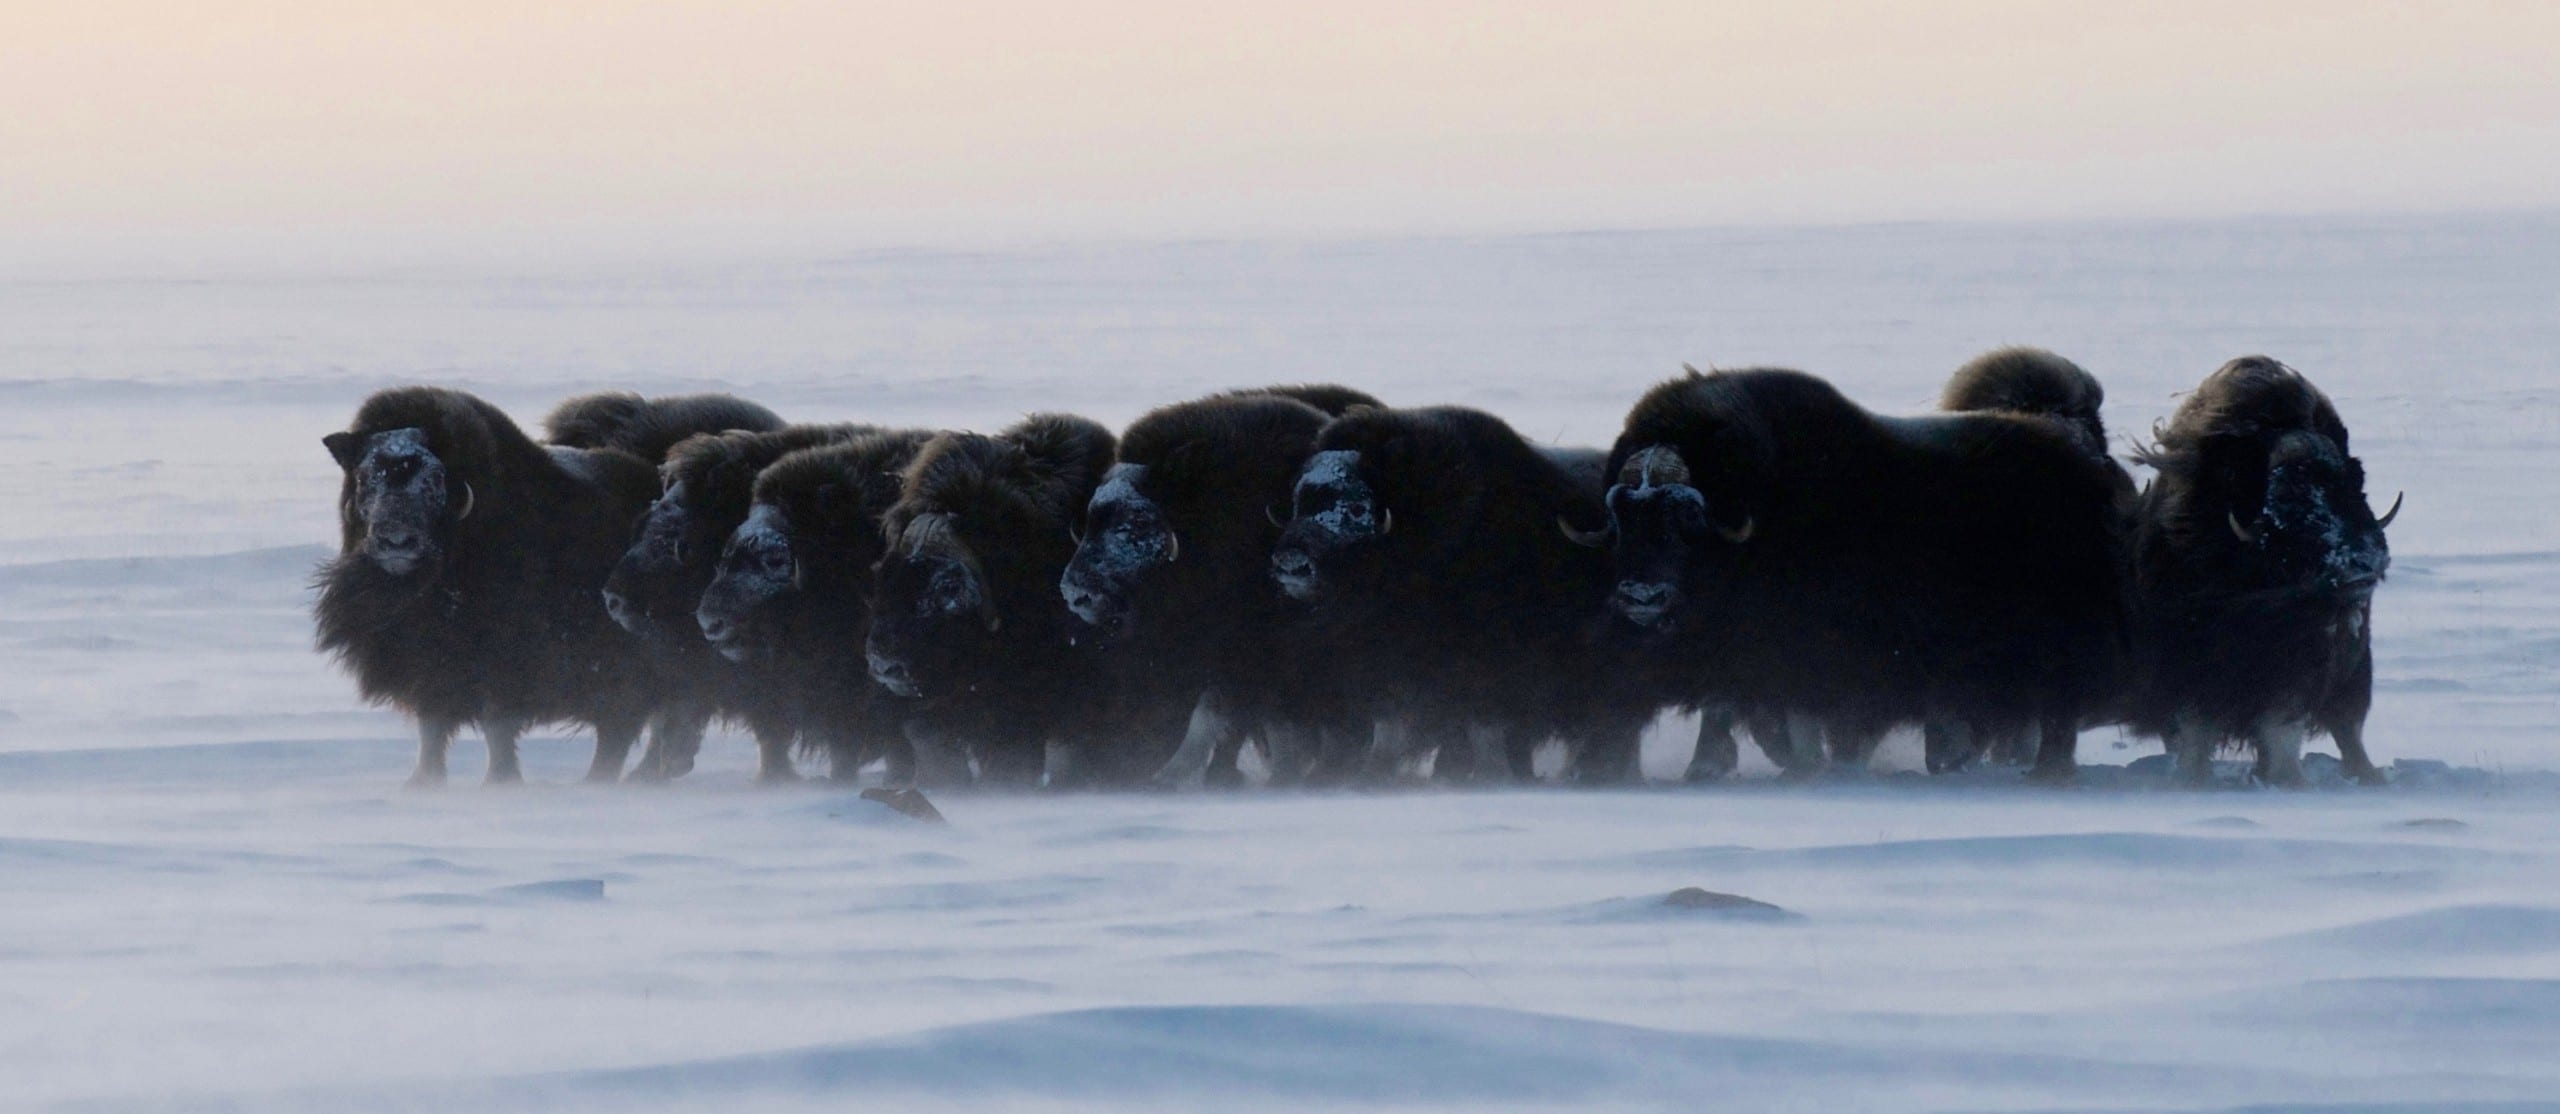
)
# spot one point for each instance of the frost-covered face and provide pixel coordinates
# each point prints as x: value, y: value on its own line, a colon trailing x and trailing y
x: 1126, y: 539
x: 395, y: 505
x: 1335, y: 526
x: 1659, y: 523
x: 2311, y: 528
x: 755, y: 580
x: 658, y: 584
x: 932, y: 611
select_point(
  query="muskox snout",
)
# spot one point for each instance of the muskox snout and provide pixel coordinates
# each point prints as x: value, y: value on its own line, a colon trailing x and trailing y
x: 620, y: 610
x: 397, y: 549
x: 1644, y: 602
x: 892, y: 674
x: 1296, y: 573
x: 724, y: 634
x: 1093, y: 605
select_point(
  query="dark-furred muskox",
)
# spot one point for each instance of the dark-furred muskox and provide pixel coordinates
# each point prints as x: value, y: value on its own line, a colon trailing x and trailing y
x: 649, y: 428
x: 1425, y: 542
x: 1172, y: 573
x: 707, y: 485
x: 466, y: 587
x: 789, y: 600
x: 2028, y: 383
x: 2255, y: 560
x: 1797, y: 552
x: 966, y: 619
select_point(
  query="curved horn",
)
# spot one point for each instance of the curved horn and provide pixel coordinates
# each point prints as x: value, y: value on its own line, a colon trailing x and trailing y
x: 1387, y: 525
x: 988, y: 613
x: 471, y: 499
x: 2237, y: 530
x: 1587, y: 539
x: 1075, y: 534
x: 1739, y: 534
x: 1172, y: 547
x: 1274, y: 517
x: 2385, y: 521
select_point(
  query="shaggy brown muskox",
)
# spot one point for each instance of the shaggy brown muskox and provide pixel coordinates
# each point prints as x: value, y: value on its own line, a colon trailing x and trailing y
x: 649, y: 428
x: 1425, y: 542
x: 1798, y: 552
x: 465, y: 589
x: 788, y: 605
x: 966, y: 620
x: 707, y: 485
x: 1171, y: 572
x: 2255, y: 561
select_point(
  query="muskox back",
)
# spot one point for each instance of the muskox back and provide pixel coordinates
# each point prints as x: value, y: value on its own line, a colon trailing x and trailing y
x: 649, y: 427
x: 2256, y: 556
x: 486, y: 610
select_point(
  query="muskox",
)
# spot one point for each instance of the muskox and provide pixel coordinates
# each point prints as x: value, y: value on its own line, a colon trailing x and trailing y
x: 789, y: 600
x: 1794, y: 551
x: 966, y: 620
x: 707, y: 484
x: 2255, y: 560
x: 465, y: 591
x: 1172, y: 574
x: 1425, y: 542
x: 2037, y: 384
x: 649, y: 428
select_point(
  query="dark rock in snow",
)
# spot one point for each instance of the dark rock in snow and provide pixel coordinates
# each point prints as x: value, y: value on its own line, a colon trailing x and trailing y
x: 908, y: 801
x: 1725, y: 905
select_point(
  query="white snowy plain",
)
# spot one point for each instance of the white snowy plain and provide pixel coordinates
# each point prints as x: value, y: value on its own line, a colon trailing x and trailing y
x: 214, y: 897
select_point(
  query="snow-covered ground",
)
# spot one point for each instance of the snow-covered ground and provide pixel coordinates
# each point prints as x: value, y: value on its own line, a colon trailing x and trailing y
x: 212, y: 896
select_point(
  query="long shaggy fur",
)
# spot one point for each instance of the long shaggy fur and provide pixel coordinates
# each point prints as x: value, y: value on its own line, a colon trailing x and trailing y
x: 504, y: 629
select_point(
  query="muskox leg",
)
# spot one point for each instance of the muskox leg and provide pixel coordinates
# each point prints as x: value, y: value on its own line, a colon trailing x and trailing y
x: 1393, y: 741
x: 675, y: 739
x: 940, y: 761
x: 1949, y: 747
x: 1290, y: 749
x: 1799, y: 750
x: 1852, y: 749
x: 773, y: 756
x: 1717, y: 753
x: 2192, y: 749
x: 1612, y: 756
x: 2343, y: 719
x: 2057, y: 748
x: 1341, y: 750
x: 2013, y: 748
x: 1489, y: 748
x: 501, y: 736
x: 435, y: 737
x: 2351, y: 754
x: 2280, y: 753
x: 1213, y: 726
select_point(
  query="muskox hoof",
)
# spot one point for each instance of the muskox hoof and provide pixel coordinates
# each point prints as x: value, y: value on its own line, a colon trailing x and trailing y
x: 2053, y: 775
x: 2369, y: 775
x: 1223, y: 777
x: 503, y: 779
x: 424, y: 780
x: 782, y: 776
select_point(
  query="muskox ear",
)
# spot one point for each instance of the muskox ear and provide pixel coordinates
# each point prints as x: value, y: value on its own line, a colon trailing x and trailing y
x: 347, y: 448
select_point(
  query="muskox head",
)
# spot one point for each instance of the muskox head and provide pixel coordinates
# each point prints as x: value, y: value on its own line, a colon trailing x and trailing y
x: 2296, y: 514
x: 1659, y: 524
x: 1336, y: 526
x: 1127, y: 537
x: 752, y: 587
x: 660, y: 580
x: 397, y: 506
x: 933, y: 610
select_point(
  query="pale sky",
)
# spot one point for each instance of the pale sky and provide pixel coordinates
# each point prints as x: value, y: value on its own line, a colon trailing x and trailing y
x: 136, y: 121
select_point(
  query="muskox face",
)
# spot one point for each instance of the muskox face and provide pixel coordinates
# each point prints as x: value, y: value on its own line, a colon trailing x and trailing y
x: 932, y: 610
x: 660, y: 580
x: 1335, y: 527
x: 753, y: 584
x: 2301, y: 521
x: 1659, y: 525
x: 395, y: 504
x: 1127, y: 537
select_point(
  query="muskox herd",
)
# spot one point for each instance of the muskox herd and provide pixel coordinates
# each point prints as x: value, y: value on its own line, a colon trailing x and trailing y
x: 1365, y: 592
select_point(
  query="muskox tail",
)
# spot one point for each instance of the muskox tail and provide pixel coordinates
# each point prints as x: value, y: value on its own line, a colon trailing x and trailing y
x: 648, y: 427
